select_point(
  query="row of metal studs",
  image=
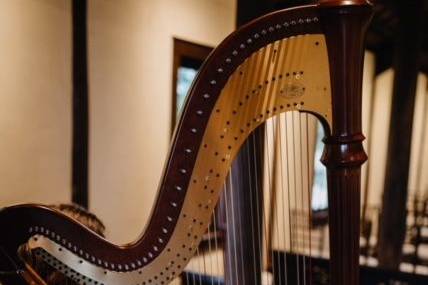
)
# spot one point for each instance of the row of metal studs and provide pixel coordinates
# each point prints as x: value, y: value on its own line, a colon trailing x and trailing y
x: 206, y: 96
x: 64, y: 269
x: 235, y: 53
x: 220, y: 70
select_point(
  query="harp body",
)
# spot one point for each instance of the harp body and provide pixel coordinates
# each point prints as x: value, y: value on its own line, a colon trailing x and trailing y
x: 307, y: 59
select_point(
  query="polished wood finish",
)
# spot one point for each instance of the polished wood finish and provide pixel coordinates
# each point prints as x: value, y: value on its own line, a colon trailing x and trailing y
x: 394, y: 201
x: 23, y: 217
x: 345, y: 27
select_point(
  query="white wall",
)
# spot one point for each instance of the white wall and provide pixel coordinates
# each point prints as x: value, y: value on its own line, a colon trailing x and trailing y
x: 379, y: 134
x: 367, y: 104
x: 130, y: 71
x: 415, y: 183
x: 35, y: 101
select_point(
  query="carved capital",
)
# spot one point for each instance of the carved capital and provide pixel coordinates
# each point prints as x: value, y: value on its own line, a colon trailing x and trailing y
x: 342, y: 152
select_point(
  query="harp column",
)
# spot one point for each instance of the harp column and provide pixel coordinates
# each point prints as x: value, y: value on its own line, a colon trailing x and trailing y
x: 344, y: 24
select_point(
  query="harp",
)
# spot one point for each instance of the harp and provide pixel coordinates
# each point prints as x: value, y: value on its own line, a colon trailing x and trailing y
x: 306, y: 60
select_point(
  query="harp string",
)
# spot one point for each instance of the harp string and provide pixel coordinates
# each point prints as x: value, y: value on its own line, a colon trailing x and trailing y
x: 273, y: 217
x: 277, y: 150
x: 270, y: 90
x: 241, y: 83
x: 228, y: 241
x: 309, y: 197
x: 266, y: 59
x: 279, y: 128
x: 217, y: 263
x: 302, y: 214
x: 204, y: 264
x: 276, y: 133
x: 299, y: 205
x: 280, y: 161
x: 286, y: 147
x: 294, y: 49
x: 258, y: 139
x: 259, y: 222
x: 211, y: 272
x: 294, y: 211
x: 199, y: 271
x: 253, y: 162
x: 252, y: 218
x: 284, y: 62
x: 269, y: 252
x: 288, y: 189
x: 236, y: 214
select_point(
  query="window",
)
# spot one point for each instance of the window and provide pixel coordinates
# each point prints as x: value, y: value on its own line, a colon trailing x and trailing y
x: 188, y: 58
x: 319, y: 188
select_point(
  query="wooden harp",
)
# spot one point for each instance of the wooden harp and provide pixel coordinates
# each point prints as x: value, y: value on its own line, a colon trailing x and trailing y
x: 307, y: 59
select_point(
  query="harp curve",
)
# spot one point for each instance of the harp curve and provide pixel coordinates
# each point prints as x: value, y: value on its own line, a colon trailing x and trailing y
x: 164, y: 248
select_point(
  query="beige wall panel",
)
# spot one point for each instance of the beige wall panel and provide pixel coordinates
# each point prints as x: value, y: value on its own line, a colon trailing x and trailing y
x: 368, y: 85
x: 379, y: 136
x: 424, y: 164
x: 419, y: 122
x: 35, y: 101
x: 130, y: 70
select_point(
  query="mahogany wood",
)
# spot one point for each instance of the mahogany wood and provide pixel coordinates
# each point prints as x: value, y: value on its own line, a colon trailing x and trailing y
x: 19, y: 219
x: 345, y: 27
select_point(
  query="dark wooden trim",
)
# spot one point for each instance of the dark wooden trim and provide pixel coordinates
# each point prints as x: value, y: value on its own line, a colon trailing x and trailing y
x: 80, y: 100
x: 344, y: 28
x: 185, y: 51
x: 19, y: 219
x: 394, y: 201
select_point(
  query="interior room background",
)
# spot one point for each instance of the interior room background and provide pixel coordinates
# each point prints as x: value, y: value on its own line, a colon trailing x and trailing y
x: 130, y: 67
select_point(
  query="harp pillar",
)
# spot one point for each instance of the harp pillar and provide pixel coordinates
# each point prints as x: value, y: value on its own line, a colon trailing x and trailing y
x: 344, y: 23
